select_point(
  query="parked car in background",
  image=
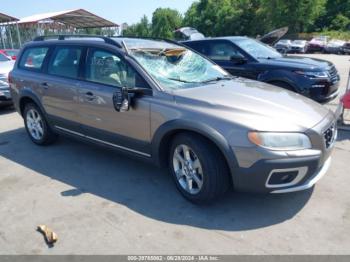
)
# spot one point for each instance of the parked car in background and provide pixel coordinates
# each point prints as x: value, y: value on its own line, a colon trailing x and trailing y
x: 187, y: 33
x: 318, y: 44
x: 283, y: 46
x: 334, y: 46
x: 11, y: 53
x: 6, y: 65
x: 249, y: 58
x: 346, y: 48
x: 164, y: 103
x: 298, y: 46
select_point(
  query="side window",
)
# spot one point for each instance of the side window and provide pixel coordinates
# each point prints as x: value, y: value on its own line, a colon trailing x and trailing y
x: 201, y: 47
x: 223, y: 51
x: 33, y: 58
x: 107, y: 68
x: 65, y: 62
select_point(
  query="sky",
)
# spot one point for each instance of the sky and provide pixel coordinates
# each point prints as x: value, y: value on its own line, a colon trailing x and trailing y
x: 118, y: 11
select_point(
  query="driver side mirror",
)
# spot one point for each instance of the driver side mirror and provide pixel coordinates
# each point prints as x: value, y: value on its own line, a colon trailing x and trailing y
x: 237, y: 59
x: 121, y: 99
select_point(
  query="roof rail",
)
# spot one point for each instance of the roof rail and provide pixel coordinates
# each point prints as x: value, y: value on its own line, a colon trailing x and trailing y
x: 150, y: 38
x: 107, y: 40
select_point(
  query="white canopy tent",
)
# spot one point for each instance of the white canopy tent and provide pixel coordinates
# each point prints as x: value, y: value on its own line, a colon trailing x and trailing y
x: 78, y: 19
x: 70, y: 21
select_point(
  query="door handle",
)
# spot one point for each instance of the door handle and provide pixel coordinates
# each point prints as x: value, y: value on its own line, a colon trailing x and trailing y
x: 45, y: 85
x: 89, y: 96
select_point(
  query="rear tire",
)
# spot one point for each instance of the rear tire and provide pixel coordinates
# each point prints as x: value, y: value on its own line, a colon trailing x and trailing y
x: 198, y: 168
x: 36, y: 125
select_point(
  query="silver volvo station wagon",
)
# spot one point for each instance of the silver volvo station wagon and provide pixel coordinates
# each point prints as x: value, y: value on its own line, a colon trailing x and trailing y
x: 163, y: 102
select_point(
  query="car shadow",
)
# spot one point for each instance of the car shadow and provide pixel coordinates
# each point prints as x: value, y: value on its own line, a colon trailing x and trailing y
x: 6, y: 110
x: 343, y: 135
x: 142, y: 187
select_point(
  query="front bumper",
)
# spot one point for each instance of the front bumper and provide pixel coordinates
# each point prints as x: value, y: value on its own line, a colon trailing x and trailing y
x: 315, y: 48
x: 297, y: 50
x: 259, y: 177
x: 326, y: 92
x: 264, y: 171
x: 308, y: 183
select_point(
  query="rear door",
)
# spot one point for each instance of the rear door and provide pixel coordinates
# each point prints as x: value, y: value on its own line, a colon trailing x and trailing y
x: 59, y: 87
x: 105, y: 72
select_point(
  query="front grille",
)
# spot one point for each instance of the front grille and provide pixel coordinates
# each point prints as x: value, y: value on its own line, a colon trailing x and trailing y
x: 330, y: 135
x: 333, y: 73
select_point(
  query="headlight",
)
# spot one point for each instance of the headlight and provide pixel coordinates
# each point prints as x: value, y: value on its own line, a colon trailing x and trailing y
x: 310, y: 74
x: 280, y: 141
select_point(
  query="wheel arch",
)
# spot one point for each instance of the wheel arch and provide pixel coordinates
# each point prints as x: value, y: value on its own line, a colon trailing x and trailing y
x: 28, y: 96
x: 165, y: 133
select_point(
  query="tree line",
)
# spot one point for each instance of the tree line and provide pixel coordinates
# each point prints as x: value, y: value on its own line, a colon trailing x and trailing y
x: 247, y: 17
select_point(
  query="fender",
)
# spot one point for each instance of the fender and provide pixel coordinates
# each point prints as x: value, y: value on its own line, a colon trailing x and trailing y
x: 28, y: 93
x: 271, y: 76
x: 178, y: 125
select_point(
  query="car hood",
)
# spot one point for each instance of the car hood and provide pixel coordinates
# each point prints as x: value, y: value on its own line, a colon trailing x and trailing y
x: 6, y: 67
x: 298, y: 62
x: 272, y: 37
x: 254, y: 105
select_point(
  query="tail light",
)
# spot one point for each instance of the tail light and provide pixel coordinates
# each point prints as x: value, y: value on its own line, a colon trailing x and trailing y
x: 346, y: 100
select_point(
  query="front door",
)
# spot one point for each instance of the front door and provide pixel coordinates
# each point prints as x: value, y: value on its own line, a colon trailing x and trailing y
x: 222, y: 52
x: 105, y: 72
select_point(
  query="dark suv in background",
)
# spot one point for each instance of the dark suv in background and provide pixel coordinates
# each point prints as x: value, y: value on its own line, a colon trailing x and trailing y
x: 249, y: 58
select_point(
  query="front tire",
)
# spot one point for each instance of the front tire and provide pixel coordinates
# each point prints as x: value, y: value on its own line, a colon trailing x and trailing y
x: 198, y: 168
x: 36, y: 125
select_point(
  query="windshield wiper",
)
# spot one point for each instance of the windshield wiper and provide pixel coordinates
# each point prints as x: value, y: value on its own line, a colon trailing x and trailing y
x: 183, y: 81
x: 268, y: 57
x: 220, y: 78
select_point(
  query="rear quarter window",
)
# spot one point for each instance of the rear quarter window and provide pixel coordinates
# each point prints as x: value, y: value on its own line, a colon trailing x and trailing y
x: 33, y: 58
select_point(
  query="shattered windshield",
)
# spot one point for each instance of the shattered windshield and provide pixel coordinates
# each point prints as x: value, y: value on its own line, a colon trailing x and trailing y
x: 178, y: 68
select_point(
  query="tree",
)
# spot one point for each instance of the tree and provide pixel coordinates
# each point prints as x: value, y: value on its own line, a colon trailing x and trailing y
x: 298, y: 15
x: 340, y: 22
x: 225, y: 17
x: 143, y: 28
x: 165, y: 21
x: 335, y: 16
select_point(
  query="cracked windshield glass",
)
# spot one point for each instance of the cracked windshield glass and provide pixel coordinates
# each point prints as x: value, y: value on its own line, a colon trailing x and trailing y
x: 175, y: 67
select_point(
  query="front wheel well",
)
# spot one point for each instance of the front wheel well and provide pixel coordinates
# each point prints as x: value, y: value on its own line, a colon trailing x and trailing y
x: 165, y: 145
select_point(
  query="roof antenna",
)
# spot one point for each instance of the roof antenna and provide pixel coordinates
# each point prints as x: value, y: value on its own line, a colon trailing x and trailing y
x: 125, y: 47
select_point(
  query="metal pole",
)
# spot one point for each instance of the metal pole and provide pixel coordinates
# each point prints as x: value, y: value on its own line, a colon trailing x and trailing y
x: 8, y: 26
x: 18, y: 36
x: 2, y: 37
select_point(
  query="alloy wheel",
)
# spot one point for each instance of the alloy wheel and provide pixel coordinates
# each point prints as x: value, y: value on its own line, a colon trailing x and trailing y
x: 35, y: 124
x: 188, y: 169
